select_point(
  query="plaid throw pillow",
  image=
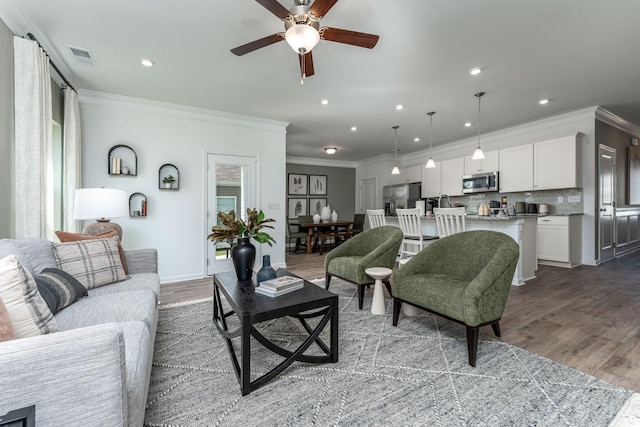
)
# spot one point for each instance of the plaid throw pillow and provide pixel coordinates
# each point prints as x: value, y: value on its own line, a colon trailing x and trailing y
x: 93, y: 263
x: 59, y: 289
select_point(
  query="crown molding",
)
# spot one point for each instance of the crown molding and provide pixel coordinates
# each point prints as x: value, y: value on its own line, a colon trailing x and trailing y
x: 611, y: 119
x: 320, y: 162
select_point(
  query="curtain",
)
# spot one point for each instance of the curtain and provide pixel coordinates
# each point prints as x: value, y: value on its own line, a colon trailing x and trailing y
x: 33, y: 141
x: 71, y: 168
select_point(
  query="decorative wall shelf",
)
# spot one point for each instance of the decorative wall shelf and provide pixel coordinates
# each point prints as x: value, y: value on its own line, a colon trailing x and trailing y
x: 168, y: 170
x: 137, y: 205
x: 122, y: 161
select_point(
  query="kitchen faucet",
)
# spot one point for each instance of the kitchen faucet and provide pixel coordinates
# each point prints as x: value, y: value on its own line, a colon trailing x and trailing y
x: 440, y: 200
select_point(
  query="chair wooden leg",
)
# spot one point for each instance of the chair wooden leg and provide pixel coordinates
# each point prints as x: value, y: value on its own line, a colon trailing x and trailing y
x: 360, y: 296
x: 297, y: 245
x: 472, y: 344
x: 397, y: 305
x: 327, y: 279
x: 496, y: 328
x: 387, y: 285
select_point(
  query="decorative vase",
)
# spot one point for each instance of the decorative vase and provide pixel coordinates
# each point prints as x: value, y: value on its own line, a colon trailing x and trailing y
x: 243, y: 255
x: 316, y: 218
x: 325, y: 213
x: 266, y: 272
x: 334, y: 216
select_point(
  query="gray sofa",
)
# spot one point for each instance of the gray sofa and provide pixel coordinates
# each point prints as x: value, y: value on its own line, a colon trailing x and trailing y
x: 96, y: 369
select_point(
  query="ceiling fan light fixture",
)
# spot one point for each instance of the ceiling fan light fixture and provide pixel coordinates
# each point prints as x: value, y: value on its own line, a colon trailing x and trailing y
x: 302, y: 38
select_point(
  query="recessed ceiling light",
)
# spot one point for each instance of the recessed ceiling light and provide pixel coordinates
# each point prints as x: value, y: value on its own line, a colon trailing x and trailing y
x: 416, y: 139
x: 147, y: 62
x: 543, y: 101
x: 475, y: 71
x: 353, y: 128
x: 399, y: 107
x: 330, y: 150
x: 324, y: 102
x: 467, y: 125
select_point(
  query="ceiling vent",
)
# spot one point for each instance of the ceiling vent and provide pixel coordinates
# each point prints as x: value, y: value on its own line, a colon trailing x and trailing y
x: 83, y: 56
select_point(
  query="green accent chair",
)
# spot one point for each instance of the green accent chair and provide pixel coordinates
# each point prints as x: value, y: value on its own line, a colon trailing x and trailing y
x: 376, y: 247
x: 465, y: 277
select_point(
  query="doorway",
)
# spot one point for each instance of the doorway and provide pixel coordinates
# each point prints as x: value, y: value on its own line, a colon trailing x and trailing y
x: 231, y: 185
x: 368, y: 198
x: 607, y: 203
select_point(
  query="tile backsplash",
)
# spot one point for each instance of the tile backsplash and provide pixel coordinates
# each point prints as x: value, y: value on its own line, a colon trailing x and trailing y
x: 566, y: 201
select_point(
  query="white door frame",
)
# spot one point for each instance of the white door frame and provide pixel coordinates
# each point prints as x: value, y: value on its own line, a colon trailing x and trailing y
x: 607, y: 233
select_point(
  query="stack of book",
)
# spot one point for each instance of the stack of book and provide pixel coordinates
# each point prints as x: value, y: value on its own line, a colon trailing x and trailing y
x: 279, y: 286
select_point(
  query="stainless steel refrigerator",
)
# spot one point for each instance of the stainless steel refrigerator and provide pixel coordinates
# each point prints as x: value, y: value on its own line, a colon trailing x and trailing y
x: 400, y: 196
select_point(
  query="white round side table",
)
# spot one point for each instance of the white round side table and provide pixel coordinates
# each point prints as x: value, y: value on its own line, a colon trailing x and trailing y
x: 378, y: 274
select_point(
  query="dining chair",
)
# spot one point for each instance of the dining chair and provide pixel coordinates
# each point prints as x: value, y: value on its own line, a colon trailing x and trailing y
x: 293, y: 231
x: 449, y: 221
x: 376, y: 218
x: 413, y: 240
x: 307, y: 219
x: 358, y: 224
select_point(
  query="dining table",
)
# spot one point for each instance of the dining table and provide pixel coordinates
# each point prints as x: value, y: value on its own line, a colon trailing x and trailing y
x: 325, y: 228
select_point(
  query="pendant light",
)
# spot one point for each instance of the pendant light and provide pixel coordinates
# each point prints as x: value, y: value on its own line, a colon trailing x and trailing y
x: 430, y: 163
x: 395, y: 170
x: 478, y: 154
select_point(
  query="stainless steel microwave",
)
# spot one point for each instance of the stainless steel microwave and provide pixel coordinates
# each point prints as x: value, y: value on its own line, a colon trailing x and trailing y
x: 480, y: 182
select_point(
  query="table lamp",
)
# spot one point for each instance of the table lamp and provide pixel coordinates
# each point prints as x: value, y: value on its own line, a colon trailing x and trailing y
x: 101, y: 204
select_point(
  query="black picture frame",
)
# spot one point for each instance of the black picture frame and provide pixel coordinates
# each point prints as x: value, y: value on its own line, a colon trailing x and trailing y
x: 296, y: 207
x: 297, y: 184
x: 317, y: 185
x: 23, y: 417
x: 316, y: 205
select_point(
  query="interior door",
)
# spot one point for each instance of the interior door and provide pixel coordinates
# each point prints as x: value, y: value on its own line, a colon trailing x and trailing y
x: 368, y: 188
x: 231, y: 185
x: 607, y: 203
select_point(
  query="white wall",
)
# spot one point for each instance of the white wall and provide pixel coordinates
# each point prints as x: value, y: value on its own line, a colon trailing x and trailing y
x: 164, y: 133
x: 582, y: 121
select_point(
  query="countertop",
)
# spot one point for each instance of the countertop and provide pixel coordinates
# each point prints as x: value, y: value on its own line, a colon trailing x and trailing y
x: 496, y: 218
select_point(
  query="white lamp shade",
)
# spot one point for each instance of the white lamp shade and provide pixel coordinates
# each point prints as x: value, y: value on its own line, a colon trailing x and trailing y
x: 478, y: 154
x: 302, y: 38
x: 395, y: 171
x: 430, y: 163
x: 97, y: 203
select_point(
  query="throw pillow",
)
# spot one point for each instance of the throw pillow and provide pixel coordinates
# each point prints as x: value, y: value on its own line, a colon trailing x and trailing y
x: 65, y: 236
x: 58, y: 288
x: 29, y: 314
x: 6, y: 328
x: 93, y: 263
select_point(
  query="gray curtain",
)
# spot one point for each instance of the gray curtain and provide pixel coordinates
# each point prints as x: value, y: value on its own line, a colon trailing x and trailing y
x: 71, y: 168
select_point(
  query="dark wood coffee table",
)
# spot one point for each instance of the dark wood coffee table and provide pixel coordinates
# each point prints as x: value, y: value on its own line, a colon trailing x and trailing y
x: 309, y: 302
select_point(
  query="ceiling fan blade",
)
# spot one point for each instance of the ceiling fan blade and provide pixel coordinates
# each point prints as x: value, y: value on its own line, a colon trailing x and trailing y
x: 306, y: 65
x: 257, y: 44
x: 274, y: 7
x: 319, y: 8
x: 349, y: 37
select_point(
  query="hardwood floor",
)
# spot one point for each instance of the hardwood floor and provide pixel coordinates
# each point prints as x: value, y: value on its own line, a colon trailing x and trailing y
x: 586, y: 317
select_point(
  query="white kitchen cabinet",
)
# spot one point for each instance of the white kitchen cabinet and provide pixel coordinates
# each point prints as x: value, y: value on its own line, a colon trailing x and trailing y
x: 516, y: 169
x: 409, y: 175
x: 490, y: 163
x: 556, y: 164
x: 559, y: 242
x: 452, y: 172
x: 432, y: 181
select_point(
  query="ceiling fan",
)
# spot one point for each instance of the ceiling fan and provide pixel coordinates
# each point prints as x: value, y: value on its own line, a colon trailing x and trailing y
x: 303, y: 31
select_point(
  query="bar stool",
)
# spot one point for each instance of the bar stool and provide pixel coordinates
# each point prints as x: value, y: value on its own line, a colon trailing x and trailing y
x: 378, y: 274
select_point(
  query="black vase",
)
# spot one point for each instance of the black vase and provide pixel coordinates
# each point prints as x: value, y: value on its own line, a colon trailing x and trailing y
x: 266, y: 272
x: 243, y: 255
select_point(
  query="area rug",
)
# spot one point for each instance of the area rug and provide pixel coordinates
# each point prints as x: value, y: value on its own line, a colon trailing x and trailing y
x: 415, y: 374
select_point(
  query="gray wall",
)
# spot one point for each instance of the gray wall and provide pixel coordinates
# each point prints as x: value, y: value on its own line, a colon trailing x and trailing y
x: 7, y: 198
x: 621, y: 141
x: 341, y: 187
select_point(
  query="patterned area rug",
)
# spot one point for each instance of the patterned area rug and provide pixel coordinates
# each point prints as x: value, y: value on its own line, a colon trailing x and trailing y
x: 415, y: 374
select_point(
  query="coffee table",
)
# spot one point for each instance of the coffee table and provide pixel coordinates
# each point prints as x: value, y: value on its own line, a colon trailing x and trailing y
x: 309, y: 302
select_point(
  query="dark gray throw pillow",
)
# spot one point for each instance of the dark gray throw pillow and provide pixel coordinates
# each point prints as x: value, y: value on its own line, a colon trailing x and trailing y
x: 58, y: 288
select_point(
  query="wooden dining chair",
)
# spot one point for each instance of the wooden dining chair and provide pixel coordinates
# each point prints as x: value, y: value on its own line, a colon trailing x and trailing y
x: 413, y: 240
x: 376, y: 218
x: 449, y: 221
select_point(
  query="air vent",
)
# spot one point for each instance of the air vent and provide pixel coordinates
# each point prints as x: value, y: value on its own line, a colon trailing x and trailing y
x: 83, y: 56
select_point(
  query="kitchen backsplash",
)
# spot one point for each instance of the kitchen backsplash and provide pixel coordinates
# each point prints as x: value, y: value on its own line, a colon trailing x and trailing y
x: 572, y: 200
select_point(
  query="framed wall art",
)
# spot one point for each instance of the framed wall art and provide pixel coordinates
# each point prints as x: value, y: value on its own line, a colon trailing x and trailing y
x: 316, y: 205
x: 297, y: 185
x: 317, y: 185
x: 297, y: 207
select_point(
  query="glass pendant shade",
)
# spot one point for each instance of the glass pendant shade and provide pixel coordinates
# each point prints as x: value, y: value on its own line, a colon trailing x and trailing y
x: 430, y: 163
x: 302, y: 38
x: 395, y: 170
x: 478, y: 154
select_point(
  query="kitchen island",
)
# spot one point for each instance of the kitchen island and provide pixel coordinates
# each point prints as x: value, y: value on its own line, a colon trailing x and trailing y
x: 523, y: 229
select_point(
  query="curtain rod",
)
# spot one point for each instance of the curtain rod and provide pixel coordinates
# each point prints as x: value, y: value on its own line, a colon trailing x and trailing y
x: 64, y: 79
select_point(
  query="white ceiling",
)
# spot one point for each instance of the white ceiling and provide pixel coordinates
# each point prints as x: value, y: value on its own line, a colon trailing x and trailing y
x: 577, y: 53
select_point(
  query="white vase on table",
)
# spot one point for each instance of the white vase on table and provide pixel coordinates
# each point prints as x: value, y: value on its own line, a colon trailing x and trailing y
x: 334, y: 216
x: 325, y: 213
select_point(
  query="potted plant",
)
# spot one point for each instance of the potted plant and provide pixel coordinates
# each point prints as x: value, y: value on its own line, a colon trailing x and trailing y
x: 243, y: 252
x: 168, y: 181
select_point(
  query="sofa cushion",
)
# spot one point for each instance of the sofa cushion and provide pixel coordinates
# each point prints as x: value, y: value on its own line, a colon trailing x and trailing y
x: 65, y: 236
x: 93, y: 262
x: 29, y: 313
x: 58, y: 288
x: 9, y: 247
x: 6, y: 328
x: 39, y: 253
x: 134, y: 282
x: 139, y: 357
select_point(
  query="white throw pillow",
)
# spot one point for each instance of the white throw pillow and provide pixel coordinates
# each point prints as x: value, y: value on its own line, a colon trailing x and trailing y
x: 29, y: 313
